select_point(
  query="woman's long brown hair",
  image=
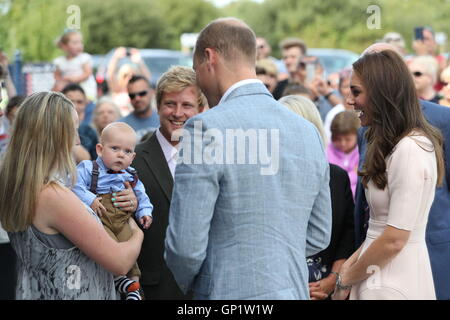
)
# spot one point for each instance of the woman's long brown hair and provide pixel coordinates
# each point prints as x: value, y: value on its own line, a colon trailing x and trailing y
x: 395, y: 110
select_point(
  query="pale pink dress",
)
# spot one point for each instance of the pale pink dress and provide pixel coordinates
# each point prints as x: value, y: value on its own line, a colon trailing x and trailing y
x: 403, y: 204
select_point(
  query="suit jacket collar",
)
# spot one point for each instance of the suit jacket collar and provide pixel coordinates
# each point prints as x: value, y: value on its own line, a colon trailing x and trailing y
x: 156, y: 161
x: 247, y: 89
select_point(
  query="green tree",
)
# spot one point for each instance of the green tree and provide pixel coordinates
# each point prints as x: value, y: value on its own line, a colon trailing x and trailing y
x: 183, y: 16
x: 132, y: 23
x: 34, y: 26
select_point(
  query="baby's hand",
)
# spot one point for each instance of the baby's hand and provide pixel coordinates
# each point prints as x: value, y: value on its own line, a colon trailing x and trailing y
x: 97, y: 206
x: 146, y: 221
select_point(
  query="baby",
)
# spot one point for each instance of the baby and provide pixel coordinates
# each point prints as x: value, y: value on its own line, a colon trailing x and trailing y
x: 99, y: 180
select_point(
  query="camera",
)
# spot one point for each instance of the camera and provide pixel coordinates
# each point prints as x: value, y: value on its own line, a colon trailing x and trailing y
x: 418, y: 33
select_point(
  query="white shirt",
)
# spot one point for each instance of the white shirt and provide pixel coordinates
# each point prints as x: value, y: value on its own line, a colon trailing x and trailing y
x: 237, y: 85
x: 74, y: 67
x: 170, y: 152
x: 3, y: 236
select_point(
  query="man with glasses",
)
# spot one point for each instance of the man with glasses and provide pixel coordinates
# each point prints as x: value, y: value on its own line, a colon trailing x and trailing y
x: 263, y: 51
x: 397, y: 40
x: 428, y: 46
x: 424, y: 70
x: 292, y: 50
x: 143, y: 119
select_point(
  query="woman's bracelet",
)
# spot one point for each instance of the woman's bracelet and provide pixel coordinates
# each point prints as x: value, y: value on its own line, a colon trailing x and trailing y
x: 339, y: 284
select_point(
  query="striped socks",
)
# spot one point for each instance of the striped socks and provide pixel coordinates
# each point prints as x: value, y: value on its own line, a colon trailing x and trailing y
x: 125, y: 285
x: 134, y: 295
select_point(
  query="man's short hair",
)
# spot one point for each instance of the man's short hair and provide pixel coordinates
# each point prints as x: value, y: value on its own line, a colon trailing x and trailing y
x: 176, y: 79
x: 293, y: 42
x: 136, y: 78
x: 73, y: 87
x: 230, y: 37
x: 296, y: 89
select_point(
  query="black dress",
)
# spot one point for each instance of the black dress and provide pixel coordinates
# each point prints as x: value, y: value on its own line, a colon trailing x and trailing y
x: 342, y: 230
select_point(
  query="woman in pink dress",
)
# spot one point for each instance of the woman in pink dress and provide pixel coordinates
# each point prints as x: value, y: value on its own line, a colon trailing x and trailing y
x: 403, y: 164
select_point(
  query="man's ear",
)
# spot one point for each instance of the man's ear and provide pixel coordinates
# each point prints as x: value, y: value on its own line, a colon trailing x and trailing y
x: 211, y: 57
x: 201, y: 109
x: 99, y: 149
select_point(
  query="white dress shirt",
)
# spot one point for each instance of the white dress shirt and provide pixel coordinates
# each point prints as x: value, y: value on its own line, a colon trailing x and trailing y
x: 170, y: 152
x: 237, y: 85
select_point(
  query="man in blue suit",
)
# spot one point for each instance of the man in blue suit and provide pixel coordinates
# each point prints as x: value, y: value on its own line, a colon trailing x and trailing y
x: 438, y: 227
x: 241, y: 222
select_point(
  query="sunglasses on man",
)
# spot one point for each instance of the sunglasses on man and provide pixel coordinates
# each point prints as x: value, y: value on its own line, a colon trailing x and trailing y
x: 140, y: 94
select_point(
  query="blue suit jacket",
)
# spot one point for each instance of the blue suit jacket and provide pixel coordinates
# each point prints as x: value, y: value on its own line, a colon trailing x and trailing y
x: 438, y: 228
x: 235, y: 233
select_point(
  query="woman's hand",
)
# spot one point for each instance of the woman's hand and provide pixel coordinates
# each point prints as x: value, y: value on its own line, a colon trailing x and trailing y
x: 120, y: 52
x: 125, y: 199
x: 340, y: 294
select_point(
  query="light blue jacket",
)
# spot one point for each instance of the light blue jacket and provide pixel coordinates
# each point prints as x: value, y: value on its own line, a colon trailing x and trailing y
x: 235, y: 231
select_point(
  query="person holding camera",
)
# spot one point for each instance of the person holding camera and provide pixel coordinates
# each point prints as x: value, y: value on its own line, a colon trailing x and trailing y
x: 118, y: 78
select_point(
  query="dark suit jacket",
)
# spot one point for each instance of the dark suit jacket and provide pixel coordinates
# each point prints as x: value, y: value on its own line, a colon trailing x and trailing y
x: 438, y: 227
x: 157, y: 280
x: 342, y: 237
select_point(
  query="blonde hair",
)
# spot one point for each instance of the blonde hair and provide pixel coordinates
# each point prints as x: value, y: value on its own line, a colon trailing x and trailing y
x: 116, y: 127
x: 445, y: 74
x: 65, y: 37
x: 430, y: 65
x: 306, y: 109
x: 101, y: 102
x: 176, y: 79
x: 38, y: 155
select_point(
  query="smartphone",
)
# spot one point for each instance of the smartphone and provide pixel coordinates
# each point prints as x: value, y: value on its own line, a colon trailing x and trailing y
x: 310, y: 72
x: 418, y: 33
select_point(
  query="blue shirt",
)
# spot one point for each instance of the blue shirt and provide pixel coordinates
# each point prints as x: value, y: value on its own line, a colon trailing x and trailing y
x: 109, y: 183
x: 142, y: 126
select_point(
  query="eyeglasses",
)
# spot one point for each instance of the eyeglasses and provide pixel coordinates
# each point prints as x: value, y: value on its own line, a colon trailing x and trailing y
x: 140, y: 94
x: 417, y: 74
x: 393, y: 39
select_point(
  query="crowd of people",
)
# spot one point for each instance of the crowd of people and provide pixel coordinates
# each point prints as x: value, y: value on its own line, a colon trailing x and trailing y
x: 356, y: 208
